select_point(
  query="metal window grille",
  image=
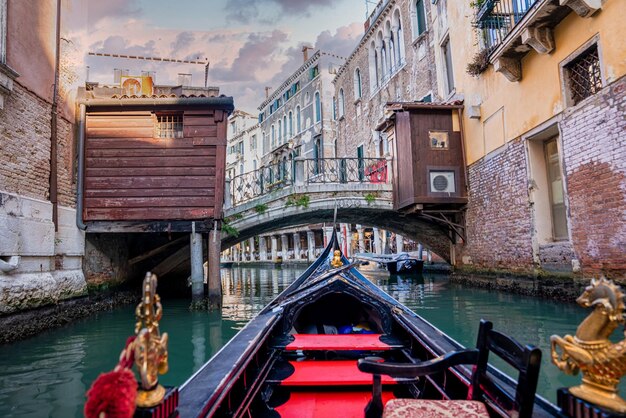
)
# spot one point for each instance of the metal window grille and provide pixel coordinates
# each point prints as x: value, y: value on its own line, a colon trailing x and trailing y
x: 584, y: 77
x: 169, y: 126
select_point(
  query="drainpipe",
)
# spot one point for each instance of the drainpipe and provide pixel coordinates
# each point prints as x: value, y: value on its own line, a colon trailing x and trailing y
x: 53, y: 125
x: 81, y: 168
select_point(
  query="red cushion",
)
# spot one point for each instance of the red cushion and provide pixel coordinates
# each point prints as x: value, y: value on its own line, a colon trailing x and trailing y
x: 425, y: 408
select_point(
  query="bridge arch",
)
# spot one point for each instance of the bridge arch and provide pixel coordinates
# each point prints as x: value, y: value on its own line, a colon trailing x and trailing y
x: 432, y: 235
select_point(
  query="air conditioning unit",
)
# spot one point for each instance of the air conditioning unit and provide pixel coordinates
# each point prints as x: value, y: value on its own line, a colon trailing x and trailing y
x: 136, y: 85
x: 442, y: 182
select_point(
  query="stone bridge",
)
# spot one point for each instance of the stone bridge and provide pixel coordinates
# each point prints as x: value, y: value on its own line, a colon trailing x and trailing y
x: 306, y: 191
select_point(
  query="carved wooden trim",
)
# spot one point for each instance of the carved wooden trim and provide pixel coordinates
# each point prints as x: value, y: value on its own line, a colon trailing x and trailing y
x: 511, y: 68
x: 540, y: 39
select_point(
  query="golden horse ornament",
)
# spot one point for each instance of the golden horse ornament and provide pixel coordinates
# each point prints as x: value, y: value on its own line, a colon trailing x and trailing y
x: 150, y: 345
x: 590, y: 351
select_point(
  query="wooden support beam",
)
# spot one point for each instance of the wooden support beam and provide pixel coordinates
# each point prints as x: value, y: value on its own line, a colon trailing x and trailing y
x: 156, y: 251
x: 541, y: 39
x: 181, y: 256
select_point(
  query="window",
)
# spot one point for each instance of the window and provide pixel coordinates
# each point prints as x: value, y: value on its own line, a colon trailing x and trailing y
x: 360, y: 162
x: 3, y: 31
x: 261, y: 117
x: 273, y: 129
x: 233, y: 128
x: 169, y: 126
x: 555, y: 188
x: 583, y: 76
x: 298, y: 120
x: 253, y: 143
x: 285, y: 137
x: 447, y: 62
x: 290, y: 123
x: 265, y: 144
x: 420, y: 18
x: 314, y: 72
x: 342, y: 107
x: 318, y: 107
x: 280, y: 131
x: 358, y: 91
x: 317, y: 155
x: 334, y: 107
x: 383, y: 63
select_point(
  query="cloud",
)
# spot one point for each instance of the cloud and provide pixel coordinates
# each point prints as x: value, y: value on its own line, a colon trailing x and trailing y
x: 342, y: 42
x: 100, y: 9
x: 267, y: 11
x: 183, y: 40
x: 255, y: 55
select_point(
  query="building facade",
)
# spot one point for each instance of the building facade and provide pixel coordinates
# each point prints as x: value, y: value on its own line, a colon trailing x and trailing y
x: 244, y: 149
x: 296, y: 119
x: 393, y: 62
x: 41, y: 248
x: 545, y: 96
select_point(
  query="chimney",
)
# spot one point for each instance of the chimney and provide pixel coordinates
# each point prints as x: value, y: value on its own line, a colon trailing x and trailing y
x: 305, y: 52
x: 267, y: 92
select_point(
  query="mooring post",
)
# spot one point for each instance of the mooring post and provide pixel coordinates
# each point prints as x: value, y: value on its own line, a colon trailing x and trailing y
x: 197, y: 271
x: 420, y: 251
x: 214, y: 279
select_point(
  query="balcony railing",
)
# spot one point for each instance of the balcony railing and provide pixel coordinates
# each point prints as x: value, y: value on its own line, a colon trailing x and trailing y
x: 497, y: 18
x: 248, y: 186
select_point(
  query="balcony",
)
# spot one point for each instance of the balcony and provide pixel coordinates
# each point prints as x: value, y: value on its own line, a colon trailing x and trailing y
x: 511, y: 28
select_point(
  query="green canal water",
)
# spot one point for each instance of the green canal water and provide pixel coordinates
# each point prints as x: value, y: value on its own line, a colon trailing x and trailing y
x: 48, y: 375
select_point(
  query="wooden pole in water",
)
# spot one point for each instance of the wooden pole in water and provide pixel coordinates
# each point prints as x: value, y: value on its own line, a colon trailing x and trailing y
x: 214, y: 279
x: 197, y: 272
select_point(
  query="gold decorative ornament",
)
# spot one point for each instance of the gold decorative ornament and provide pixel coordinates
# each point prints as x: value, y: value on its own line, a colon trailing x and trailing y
x: 336, y: 261
x: 150, y: 345
x: 590, y: 351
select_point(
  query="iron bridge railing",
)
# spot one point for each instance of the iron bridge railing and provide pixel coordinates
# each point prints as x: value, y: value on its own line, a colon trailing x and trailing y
x: 253, y: 184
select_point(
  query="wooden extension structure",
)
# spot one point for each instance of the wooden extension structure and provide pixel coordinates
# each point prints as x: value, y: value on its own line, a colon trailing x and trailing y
x: 429, y: 174
x: 153, y: 163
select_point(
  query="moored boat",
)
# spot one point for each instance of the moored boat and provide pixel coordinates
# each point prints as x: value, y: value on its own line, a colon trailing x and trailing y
x: 401, y: 263
x: 329, y: 344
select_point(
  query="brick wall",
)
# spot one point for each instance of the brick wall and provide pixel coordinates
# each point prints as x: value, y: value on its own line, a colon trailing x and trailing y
x: 594, y: 156
x: 25, y: 148
x: 25, y: 144
x: 411, y: 82
x: 499, y: 215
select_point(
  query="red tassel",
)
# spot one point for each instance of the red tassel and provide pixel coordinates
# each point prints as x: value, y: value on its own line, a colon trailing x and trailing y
x: 114, y: 394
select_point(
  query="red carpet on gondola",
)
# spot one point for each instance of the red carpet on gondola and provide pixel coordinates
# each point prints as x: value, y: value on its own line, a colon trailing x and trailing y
x: 343, y: 342
x: 327, y: 373
x: 327, y: 404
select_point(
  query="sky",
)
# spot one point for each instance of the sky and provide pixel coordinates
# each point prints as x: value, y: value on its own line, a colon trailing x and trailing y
x: 249, y: 44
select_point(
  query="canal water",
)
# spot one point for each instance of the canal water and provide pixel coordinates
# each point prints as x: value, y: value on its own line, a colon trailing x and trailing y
x: 48, y: 375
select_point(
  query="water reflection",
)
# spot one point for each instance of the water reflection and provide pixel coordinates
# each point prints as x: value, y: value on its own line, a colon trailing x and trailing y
x: 48, y: 375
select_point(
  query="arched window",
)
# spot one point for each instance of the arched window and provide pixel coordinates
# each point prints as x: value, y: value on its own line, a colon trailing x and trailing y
x: 290, y: 123
x: 399, y: 35
x: 392, y: 54
x: 372, y: 67
x: 334, y: 108
x: 383, y: 60
x: 285, y: 135
x: 342, y: 102
x: 377, y: 71
x: 273, y: 130
x: 298, y: 120
x: 318, y: 107
x: 265, y: 145
x: 280, y: 131
x: 358, y: 89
